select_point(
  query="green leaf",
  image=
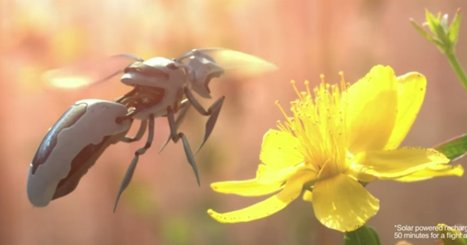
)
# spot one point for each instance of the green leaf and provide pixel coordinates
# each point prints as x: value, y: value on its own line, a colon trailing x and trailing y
x: 454, y: 28
x: 454, y: 148
x: 449, y: 235
x: 453, y: 242
x: 362, y: 236
x: 420, y: 30
x: 430, y: 20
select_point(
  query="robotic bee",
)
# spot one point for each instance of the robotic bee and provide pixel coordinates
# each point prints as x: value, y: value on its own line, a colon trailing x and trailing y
x: 162, y: 87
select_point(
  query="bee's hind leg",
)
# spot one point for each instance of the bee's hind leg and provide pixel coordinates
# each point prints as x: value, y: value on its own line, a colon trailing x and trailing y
x: 175, y: 136
x: 131, y: 169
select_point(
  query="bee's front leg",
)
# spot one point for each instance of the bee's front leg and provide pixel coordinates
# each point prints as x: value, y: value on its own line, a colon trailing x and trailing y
x: 213, y: 112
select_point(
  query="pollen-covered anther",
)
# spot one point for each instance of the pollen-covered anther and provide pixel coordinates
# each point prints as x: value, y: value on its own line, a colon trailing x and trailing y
x: 322, y: 78
x: 341, y: 76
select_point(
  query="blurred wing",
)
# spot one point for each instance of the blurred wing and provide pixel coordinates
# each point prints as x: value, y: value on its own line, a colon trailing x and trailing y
x: 231, y: 60
x: 88, y: 72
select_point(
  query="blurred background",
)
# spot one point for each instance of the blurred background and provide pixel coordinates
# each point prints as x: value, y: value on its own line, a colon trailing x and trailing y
x: 163, y: 204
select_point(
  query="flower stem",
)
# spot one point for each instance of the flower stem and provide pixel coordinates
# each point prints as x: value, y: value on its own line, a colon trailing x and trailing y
x: 457, y: 67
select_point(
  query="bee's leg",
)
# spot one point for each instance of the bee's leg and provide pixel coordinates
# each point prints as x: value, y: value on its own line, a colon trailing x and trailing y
x: 175, y: 136
x: 184, y: 107
x: 212, y: 112
x: 139, y: 134
x: 131, y: 169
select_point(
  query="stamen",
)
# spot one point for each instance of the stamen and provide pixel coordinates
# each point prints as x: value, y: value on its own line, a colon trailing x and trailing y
x: 281, y: 109
x: 279, y: 125
x: 284, y: 126
x: 321, y: 77
x: 294, y: 85
x: 341, y: 75
x: 342, y: 83
x: 307, y: 87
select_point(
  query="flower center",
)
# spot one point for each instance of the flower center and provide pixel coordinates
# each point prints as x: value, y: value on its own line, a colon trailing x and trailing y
x: 319, y: 123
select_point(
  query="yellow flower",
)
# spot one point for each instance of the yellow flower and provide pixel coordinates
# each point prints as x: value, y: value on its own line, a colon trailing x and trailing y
x: 337, y: 138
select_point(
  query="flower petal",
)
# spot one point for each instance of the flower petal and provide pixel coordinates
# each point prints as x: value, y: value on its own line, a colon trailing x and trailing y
x: 343, y: 204
x: 371, y: 105
x: 267, y: 181
x: 400, y: 162
x: 256, y: 211
x: 267, y: 175
x: 280, y: 149
x: 435, y: 171
x: 273, y: 204
x: 246, y: 187
x: 410, y: 94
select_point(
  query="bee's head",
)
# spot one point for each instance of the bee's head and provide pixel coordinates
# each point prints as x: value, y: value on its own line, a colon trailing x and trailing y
x: 152, y: 72
x: 200, y: 72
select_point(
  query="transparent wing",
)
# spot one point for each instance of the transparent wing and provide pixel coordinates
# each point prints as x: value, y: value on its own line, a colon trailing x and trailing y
x: 231, y: 60
x: 88, y: 72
